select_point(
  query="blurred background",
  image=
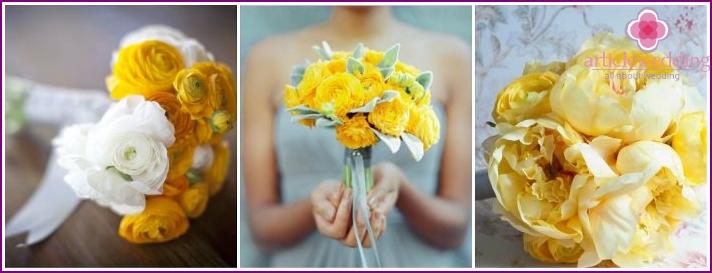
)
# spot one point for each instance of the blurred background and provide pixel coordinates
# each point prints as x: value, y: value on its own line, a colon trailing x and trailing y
x: 259, y: 22
x: 71, y: 46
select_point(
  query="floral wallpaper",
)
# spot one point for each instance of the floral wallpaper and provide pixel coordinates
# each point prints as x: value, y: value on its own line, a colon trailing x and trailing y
x: 506, y: 37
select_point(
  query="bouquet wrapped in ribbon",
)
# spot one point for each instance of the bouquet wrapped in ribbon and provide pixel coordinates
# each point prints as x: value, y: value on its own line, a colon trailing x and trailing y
x: 157, y: 154
x: 367, y: 97
x: 599, y: 163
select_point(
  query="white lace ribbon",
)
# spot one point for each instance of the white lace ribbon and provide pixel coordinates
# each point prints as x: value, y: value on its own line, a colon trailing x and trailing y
x: 53, y: 201
x: 360, y: 204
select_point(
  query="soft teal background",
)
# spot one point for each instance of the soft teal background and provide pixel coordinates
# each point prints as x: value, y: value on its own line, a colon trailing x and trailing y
x: 259, y: 22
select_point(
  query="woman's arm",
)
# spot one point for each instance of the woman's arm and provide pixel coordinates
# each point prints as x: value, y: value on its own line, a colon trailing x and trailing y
x: 443, y: 220
x: 273, y: 224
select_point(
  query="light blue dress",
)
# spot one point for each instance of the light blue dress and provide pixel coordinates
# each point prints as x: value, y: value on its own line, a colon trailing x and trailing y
x: 308, y: 156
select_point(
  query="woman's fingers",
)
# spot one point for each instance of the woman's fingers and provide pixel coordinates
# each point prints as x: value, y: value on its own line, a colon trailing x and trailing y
x: 378, y: 225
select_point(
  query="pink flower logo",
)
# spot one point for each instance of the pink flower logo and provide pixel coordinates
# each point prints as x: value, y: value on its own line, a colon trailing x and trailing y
x: 647, y: 30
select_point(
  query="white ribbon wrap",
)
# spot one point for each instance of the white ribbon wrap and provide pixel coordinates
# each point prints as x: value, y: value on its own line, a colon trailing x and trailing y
x: 358, y: 179
x: 53, y: 201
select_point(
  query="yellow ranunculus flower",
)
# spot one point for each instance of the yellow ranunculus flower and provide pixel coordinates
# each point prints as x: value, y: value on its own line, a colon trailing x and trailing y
x: 525, y: 98
x: 221, y: 122
x: 356, y: 133
x: 215, y: 175
x: 391, y: 118
x: 181, y: 120
x: 596, y: 104
x: 193, y: 89
x: 339, y: 93
x: 291, y: 98
x: 175, y: 186
x: 424, y: 124
x: 690, y: 143
x: 162, y: 220
x: 526, y: 172
x: 372, y: 83
x: 180, y: 158
x: 143, y: 69
x: 194, y: 200
x: 404, y: 68
x: 373, y: 57
x: 551, y: 250
x: 221, y: 86
x: 339, y: 55
x: 337, y: 65
x: 312, y: 78
x: 203, y: 131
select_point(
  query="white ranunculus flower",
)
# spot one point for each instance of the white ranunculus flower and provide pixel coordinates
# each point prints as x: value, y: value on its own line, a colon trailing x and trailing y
x: 122, y: 158
x: 191, y: 50
x: 202, y: 157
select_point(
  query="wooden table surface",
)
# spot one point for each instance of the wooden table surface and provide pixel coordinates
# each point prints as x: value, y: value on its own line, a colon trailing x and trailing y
x: 71, y: 46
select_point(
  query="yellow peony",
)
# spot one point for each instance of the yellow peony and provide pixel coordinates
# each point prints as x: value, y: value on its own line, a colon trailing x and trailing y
x: 214, y: 176
x: 143, y: 69
x: 390, y: 118
x: 194, y: 200
x: 596, y: 105
x: 356, y: 133
x: 338, y: 94
x: 551, y: 250
x: 690, y: 143
x: 534, y: 181
x: 630, y: 217
x: 162, y: 220
x: 525, y: 98
x: 424, y: 124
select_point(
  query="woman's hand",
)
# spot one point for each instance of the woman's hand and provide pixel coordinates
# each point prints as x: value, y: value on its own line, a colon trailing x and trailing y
x: 331, y: 207
x: 387, y: 179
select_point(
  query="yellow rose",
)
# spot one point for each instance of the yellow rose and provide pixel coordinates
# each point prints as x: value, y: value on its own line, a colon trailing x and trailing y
x: 356, y: 133
x: 313, y: 76
x: 525, y: 98
x: 551, y: 250
x: 526, y: 171
x: 193, y: 89
x: 424, y: 124
x: 215, y: 175
x: 390, y: 118
x: 596, y: 104
x: 143, y: 69
x: 194, y: 200
x: 339, y: 93
x: 690, y: 143
x: 180, y: 158
x: 175, y: 186
x: 162, y: 220
x: 181, y: 120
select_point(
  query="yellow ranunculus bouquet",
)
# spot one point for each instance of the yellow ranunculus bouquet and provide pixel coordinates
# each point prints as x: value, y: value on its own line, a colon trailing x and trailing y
x: 158, y: 154
x: 599, y: 163
x: 366, y: 96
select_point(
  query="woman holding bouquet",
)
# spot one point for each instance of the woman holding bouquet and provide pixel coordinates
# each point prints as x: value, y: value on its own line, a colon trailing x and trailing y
x: 298, y: 209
